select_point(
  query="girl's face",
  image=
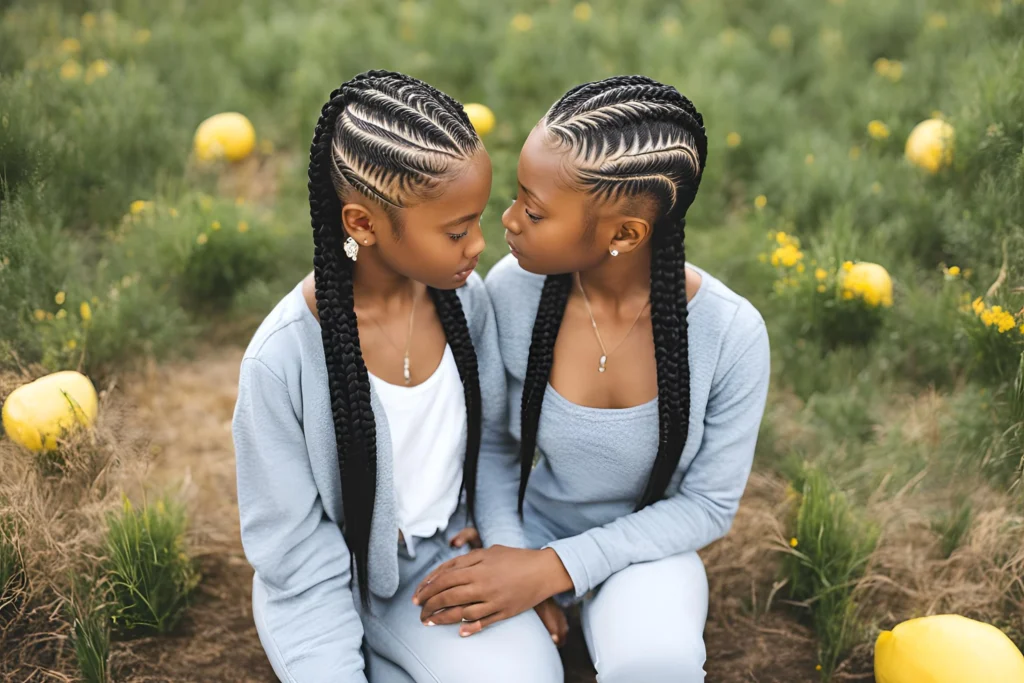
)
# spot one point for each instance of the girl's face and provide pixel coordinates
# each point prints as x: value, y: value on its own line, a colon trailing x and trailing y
x: 439, y: 239
x: 551, y: 227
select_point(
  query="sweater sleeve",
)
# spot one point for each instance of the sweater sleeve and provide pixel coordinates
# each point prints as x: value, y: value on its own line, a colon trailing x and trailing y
x: 309, y: 622
x: 703, y: 508
x: 497, y: 480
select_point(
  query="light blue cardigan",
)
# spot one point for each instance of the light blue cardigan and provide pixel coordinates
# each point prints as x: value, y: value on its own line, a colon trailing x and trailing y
x: 289, y: 487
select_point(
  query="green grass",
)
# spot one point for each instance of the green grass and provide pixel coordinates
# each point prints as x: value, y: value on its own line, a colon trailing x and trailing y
x: 147, y: 567
x: 952, y: 526
x: 90, y: 632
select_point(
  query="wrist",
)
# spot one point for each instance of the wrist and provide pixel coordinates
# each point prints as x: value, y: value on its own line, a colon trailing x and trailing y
x: 557, y: 579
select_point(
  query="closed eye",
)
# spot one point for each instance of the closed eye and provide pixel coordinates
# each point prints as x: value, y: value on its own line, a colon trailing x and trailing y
x: 533, y: 217
x: 456, y: 238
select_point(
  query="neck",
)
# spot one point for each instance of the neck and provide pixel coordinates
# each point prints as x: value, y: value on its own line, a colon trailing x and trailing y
x: 618, y: 278
x: 375, y: 284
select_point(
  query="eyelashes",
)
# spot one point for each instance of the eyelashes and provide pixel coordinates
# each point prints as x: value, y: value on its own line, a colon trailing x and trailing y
x: 533, y: 217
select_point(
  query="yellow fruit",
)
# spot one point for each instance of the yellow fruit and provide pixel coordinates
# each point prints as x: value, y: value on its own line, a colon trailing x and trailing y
x: 930, y: 145
x: 947, y: 649
x: 39, y: 413
x: 228, y: 136
x: 481, y: 117
x: 870, y: 282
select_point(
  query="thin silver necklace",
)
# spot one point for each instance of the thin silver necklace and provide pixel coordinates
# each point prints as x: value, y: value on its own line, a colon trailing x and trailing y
x: 602, y: 364
x: 406, y: 368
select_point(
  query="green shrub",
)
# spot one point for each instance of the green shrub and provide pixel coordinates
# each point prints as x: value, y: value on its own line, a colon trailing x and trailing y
x: 147, y: 567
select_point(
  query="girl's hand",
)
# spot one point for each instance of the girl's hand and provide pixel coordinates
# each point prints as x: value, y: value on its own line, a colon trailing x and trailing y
x: 554, y: 620
x: 490, y: 585
x: 468, y: 536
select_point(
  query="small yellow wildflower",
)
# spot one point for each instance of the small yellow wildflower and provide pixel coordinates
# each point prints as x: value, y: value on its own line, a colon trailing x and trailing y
x: 60, y: 298
x: 895, y: 72
x: 882, y: 66
x: 854, y: 153
x: 39, y: 314
x: 85, y: 311
x: 582, y: 11
x: 780, y: 37
x: 793, y: 542
x: 1022, y: 328
x: 239, y: 201
x: 953, y: 272
x: 88, y: 20
x: 788, y: 256
x: 818, y: 667
x: 138, y: 206
x: 876, y: 187
x: 733, y: 139
x: 202, y: 239
x: 71, y: 46
x: 215, y: 226
x: 809, y: 159
x: 172, y: 212
x: 71, y: 345
x: 820, y: 274
x: 800, y: 268
x: 70, y: 70
x: 761, y: 201
x: 821, y: 289
x: 205, y: 202
x: 978, y: 306
x: 936, y: 20
x: 670, y: 26
x: 49, y: 316
x: 878, y: 130
x: 243, y: 227
x: 61, y: 314
x: 522, y: 22
x: 98, y: 69
x: 847, y: 294
x: 142, y: 36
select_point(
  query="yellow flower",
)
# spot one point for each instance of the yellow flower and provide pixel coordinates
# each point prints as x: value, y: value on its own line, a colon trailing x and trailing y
x: 138, y: 206
x: 733, y: 139
x: 205, y: 202
x: 88, y: 20
x: 780, y: 37
x: 172, y: 212
x: 202, y: 239
x: 582, y: 11
x: 61, y: 314
x: 39, y: 314
x: 70, y: 70
x: 821, y: 289
x: 761, y: 201
x: 49, y: 316
x: 882, y: 66
x: 71, y: 46
x: 953, y: 272
x: 85, y: 311
x: 126, y: 282
x: 1022, y: 328
x: 98, y: 69
x: 978, y: 306
x: 878, y: 130
x: 817, y: 667
x: 239, y: 201
x: 215, y: 226
x: 793, y: 542
x: 142, y: 36
x: 847, y: 294
x: 60, y: 298
x: 522, y: 22
x: 895, y: 71
x: 243, y: 227
x: 820, y: 274
x: 876, y: 187
x: 809, y: 159
x: 800, y: 268
x: 670, y: 26
x: 71, y: 345
x: 788, y: 255
x: 936, y: 20
x: 854, y: 153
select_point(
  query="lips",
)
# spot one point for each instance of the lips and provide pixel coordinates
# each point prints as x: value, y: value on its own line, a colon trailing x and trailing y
x: 467, y: 271
x: 512, y: 248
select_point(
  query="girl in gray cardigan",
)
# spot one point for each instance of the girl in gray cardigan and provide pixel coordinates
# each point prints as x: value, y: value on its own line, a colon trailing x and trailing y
x: 354, y: 446
x: 652, y: 376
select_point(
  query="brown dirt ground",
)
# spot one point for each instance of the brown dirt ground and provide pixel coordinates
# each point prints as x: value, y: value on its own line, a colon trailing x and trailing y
x: 185, y: 409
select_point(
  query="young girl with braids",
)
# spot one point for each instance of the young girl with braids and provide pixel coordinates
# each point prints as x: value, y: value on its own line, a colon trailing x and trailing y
x: 371, y: 398
x: 652, y: 376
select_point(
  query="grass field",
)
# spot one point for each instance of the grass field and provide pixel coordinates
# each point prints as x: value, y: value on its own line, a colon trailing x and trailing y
x: 887, y: 480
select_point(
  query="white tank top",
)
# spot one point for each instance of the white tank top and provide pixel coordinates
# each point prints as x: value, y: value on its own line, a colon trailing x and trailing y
x: 426, y: 424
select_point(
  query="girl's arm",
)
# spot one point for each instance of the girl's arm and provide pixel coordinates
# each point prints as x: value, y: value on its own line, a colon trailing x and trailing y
x: 497, y: 481
x: 309, y: 623
x: 702, y: 510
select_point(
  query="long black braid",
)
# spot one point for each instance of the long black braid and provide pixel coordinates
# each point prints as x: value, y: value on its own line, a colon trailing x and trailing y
x: 391, y: 137
x: 629, y: 136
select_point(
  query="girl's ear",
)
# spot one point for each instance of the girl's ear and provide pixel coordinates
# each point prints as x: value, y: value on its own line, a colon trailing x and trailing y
x: 632, y: 233
x: 358, y: 223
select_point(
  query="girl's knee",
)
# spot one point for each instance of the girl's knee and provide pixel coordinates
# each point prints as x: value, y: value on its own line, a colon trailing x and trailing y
x: 667, y: 665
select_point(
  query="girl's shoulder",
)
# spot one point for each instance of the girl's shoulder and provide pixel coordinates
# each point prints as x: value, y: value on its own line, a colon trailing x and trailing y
x: 287, y: 337
x: 721, y: 319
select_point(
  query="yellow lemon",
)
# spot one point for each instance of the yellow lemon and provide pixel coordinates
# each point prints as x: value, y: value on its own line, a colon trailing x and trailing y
x: 870, y: 282
x: 481, y: 117
x: 228, y: 136
x: 39, y: 413
x: 947, y: 648
x: 930, y: 145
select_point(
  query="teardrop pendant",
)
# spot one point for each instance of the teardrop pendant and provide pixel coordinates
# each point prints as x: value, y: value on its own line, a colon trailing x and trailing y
x: 601, y: 368
x: 405, y: 369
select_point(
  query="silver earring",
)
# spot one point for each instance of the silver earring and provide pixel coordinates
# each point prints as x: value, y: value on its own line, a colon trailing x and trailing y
x: 351, y: 248
x: 615, y: 252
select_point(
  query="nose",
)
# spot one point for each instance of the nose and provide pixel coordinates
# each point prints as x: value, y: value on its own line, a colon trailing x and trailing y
x: 509, y: 222
x: 475, y: 243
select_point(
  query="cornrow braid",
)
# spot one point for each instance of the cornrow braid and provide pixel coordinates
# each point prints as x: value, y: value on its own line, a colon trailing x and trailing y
x: 629, y: 136
x: 390, y: 137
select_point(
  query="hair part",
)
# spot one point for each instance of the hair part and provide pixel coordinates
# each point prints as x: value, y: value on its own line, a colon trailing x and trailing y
x: 394, y: 139
x: 633, y: 139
